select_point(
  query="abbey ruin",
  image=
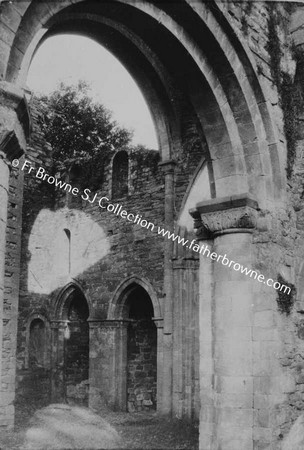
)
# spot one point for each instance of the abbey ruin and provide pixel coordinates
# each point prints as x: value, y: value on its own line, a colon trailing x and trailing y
x: 99, y: 310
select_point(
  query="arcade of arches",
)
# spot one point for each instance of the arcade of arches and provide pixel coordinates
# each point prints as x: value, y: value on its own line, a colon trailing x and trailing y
x: 110, y: 313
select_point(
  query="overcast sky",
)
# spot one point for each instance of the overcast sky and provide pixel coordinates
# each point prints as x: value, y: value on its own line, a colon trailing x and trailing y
x: 69, y: 58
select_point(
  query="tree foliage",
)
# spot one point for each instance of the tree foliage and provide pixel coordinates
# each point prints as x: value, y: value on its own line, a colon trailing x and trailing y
x: 81, y: 131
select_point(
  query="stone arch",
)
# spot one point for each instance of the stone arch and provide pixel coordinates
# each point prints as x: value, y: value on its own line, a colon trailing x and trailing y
x: 204, y: 165
x: 220, y: 82
x: 61, y: 301
x: 136, y: 311
x: 117, y: 304
x: 70, y: 346
x: 33, y: 377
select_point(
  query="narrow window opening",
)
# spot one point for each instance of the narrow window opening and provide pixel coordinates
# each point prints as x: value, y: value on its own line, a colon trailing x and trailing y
x: 120, y: 175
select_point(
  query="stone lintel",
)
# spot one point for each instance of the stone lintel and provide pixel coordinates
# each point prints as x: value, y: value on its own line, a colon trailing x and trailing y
x: 233, y: 214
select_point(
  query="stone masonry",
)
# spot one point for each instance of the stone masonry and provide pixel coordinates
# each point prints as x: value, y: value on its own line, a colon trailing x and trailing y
x: 224, y: 83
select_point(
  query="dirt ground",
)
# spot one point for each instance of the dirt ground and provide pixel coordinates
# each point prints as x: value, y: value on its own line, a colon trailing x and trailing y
x: 66, y: 427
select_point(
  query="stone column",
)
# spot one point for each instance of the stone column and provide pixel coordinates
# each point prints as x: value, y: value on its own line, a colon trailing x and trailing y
x: 226, y: 321
x: 108, y: 363
x: 166, y: 405
x: 185, y: 338
x: 14, y: 128
x: 159, y: 323
x: 59, y: 328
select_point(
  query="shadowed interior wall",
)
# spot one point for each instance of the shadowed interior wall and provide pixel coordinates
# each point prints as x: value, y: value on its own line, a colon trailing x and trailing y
x: 33, y: 382
x: 77, y: 351
x: 141, y: 353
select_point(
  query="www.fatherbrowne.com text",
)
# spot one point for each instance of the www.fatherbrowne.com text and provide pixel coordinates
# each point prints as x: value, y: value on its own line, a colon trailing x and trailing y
x: 118, y: 210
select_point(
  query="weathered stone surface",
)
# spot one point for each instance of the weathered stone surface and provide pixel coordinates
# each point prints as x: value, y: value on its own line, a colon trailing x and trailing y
x: 239, y: 107
x: 295, y: 437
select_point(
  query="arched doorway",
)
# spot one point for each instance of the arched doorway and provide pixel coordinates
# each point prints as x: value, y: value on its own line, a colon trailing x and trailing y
x: 33, y: 377
x: 37, y: 344
x: 133, y: 335
x: 77, y: 349
x: 141, y: 352
x: 70, y: 368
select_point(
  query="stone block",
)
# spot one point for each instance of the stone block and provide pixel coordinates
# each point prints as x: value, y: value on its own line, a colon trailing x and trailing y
x: 234, y: 437
x: 265, y: 334
x: 233, y: 384
x: 261, y: 401
x: 262, y: 434
x: 264, y: 319
x: 233, y: 400
x: 131, y: 407
x: 235, y: 417
x: 261, y: 418
x: 233, y: 358
x: 10, y: 17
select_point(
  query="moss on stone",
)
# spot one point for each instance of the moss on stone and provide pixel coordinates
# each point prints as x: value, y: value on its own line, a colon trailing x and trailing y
x: 288, y: 95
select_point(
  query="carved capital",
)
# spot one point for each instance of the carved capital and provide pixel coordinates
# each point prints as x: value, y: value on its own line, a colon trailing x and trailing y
x: 167, y: 166
x: 159, y: 322
x: 236, y: 214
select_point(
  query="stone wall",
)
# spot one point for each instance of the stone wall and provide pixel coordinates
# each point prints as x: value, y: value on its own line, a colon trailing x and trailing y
x: 67, y: 239
x: 11, y: 293
x: 251, y: 371
x: 142, y: 369
x: 265, y: 27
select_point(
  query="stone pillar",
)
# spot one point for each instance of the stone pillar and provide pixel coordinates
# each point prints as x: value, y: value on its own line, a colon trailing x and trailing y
x: 226, y: 321
x: 159, y: 323
x: 59, y: 330
x: 14, y: 128
x: 108, y: 364
x: 185, y: 338
x: 166, y: 405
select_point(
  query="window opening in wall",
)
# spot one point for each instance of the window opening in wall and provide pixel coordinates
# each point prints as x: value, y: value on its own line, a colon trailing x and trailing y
x: 120, y: 173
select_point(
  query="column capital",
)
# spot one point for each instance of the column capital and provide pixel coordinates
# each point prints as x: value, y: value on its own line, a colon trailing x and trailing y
x: 159, y: 322
x: 167, y: 166
x: 235, y: 214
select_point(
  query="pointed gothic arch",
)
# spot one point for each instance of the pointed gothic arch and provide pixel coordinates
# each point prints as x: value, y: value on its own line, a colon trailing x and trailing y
x: 70, y: 346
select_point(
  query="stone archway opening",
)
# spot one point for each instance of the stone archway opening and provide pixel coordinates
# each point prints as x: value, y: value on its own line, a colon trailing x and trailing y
x: 141, y: 352
x: 33, y: 379
x: 76, y: 349
x: 37, y: 344
x: 70, y: 348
